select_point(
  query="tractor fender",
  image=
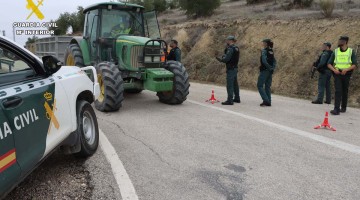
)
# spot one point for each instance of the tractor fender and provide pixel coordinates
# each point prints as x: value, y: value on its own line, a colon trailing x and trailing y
x: 83, y: 44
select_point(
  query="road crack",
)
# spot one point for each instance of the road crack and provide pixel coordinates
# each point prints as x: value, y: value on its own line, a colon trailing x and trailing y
x: 142, y: 142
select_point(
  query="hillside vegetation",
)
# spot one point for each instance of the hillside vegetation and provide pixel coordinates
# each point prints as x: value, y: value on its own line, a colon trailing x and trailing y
x: 298, y: 35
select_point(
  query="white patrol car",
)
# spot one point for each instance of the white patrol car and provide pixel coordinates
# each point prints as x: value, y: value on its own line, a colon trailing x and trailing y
x: 43, y: 106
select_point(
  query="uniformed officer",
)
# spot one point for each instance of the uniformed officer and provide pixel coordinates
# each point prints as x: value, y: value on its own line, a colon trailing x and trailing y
x: 119, y: 29
x: 175, y: 52
x: 231, y: 59
x: 324, y: 75
x: 342, y: 63
x: 268, y: 65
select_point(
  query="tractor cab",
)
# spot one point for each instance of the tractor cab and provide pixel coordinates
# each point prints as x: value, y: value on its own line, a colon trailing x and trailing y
x: 109, y: 25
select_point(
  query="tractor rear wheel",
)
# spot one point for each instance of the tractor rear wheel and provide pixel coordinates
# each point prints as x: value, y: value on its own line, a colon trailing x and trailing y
x: 111, y: 86
x: 181, y: 85
x: 73, y: 56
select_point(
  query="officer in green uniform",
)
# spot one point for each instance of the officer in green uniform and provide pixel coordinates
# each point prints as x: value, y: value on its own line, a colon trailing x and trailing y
x: 231, y: 59
x: 175, y: 52
x: 324, y: 75
x: 268, y: 65
x: 342, y: 63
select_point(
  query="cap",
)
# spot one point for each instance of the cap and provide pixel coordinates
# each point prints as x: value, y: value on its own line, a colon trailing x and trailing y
x: 266, y: 40
x: 231, y: 37
x: 327, y: 44
x: 345, y: 38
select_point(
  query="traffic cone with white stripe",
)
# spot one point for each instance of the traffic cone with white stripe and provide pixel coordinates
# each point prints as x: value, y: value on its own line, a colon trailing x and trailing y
x: 212, y: 98
x: 326, y: 123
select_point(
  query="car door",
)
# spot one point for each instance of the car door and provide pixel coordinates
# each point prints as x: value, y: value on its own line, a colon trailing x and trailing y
x: 30, y: 106
x: 9, y: 168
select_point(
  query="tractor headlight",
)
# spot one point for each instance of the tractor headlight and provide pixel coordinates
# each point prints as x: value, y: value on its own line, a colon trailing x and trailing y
x: 157, y: 59
x: 147, y: 59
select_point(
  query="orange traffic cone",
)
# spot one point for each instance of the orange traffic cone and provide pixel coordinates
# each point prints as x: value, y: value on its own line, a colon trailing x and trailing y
x: 326, y: 123
x: 212, y: 98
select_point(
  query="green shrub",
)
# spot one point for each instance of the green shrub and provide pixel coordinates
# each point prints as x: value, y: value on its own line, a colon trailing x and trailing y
x: 199, y: 8
x: 327, y: 7
x: 303, y: 3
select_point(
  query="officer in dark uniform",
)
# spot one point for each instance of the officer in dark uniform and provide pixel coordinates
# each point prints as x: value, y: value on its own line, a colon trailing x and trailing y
x: 231, y: 59
x: 324, y: 75
x: 268, y: 65
x: 175, y: 52
x: 342, y: 63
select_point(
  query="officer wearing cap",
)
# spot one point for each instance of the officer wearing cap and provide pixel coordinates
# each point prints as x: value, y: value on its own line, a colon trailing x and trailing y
x: 324, y: 75
x: 342, y: 63
x: 268, y: 65
x: 231, y: 59
x: 175, y: 52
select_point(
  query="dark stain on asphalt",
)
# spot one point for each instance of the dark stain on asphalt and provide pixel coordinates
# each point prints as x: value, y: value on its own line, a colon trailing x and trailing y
x: 235, y: 168
x: 231, y: 186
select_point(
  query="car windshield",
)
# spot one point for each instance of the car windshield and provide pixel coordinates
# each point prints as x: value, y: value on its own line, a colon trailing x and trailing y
x: 117, y: 22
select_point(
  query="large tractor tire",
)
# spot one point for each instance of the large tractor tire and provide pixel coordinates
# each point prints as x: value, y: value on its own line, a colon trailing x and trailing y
x: 181, y: 85
x: 111, y: 86
x: 73, y: 56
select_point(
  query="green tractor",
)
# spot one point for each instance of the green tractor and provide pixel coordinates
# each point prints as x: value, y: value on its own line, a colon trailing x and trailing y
x: 122, y: 42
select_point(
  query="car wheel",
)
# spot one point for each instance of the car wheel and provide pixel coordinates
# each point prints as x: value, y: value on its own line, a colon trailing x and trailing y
x: 88, y: 129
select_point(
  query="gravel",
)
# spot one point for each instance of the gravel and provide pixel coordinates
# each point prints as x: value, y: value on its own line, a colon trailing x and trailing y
x: 68, y: 177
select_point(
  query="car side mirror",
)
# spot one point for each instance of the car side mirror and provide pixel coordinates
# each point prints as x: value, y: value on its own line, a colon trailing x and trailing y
x: 51, y: 64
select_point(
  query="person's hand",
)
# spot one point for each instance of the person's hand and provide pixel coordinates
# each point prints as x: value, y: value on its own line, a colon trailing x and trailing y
x: 337, y: 72
x: 344, y: 72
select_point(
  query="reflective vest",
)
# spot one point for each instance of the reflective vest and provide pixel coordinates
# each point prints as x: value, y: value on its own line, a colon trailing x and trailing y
x: 118, y: 30
x: 343, y: 59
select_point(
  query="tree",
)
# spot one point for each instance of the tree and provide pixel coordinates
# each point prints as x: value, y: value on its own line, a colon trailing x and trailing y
x: 199, y: 8
x: 31, y: 40
x: 158, y: 5
x: 66, y: 20
x: 173, y: 4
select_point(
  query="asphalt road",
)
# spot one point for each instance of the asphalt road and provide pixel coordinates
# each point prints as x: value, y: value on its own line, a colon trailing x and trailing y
x: 198, y: 151
x: 203, y: 151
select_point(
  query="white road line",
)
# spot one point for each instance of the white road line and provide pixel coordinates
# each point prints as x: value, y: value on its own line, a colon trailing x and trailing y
x: 325, y: 140
x: 126, y: 187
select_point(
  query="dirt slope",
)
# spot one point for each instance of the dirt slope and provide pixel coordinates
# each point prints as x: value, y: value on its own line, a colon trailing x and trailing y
x: 297, y: 44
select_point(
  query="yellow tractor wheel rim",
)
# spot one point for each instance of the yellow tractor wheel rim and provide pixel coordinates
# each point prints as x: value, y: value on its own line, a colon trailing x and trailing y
x: 70, y: 61
x: 102, y: 89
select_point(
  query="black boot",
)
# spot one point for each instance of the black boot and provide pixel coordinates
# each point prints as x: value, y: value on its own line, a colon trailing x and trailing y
x: 335, y: 112
x: 237, y: 101
x: 343, y: 110
x: 317, y: 102
x: 265, y: 104
x: 227, y: 103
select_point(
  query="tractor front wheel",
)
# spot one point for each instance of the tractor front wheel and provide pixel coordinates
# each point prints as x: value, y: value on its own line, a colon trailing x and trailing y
x: 73, y: 56
x: 111, y: 85
x: 181, y: 85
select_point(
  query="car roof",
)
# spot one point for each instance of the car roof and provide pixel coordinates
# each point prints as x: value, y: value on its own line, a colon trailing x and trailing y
x: 21, y: 47
x: 114, y: 4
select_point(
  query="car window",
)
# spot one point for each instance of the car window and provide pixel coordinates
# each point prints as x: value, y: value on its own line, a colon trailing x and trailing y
x: 10, y: 63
